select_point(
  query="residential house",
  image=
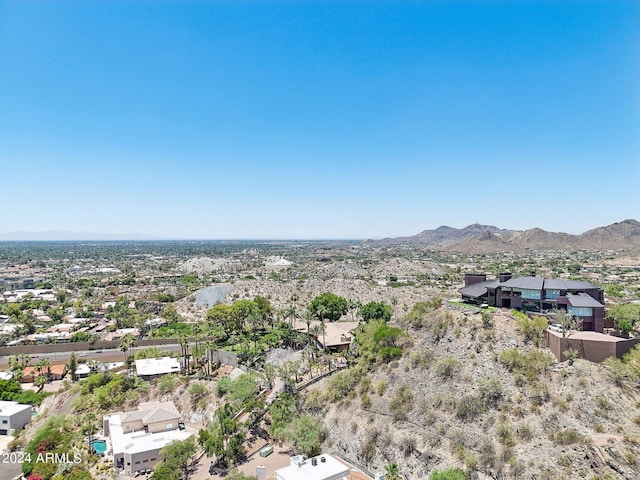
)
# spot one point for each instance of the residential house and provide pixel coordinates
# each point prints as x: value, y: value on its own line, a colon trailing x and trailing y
x: 148, y: 368
x: 56, y: 372
x: 13, y: 416
x: 582, y: 299
x: 121, y: 332
x: 137, y: 437
x: 321, y: 467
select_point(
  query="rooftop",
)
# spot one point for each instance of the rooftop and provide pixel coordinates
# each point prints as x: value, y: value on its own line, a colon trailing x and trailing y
x: 327, y: 467
x: 11, y: 408
x: 157, y: 366
x: 583, y: 300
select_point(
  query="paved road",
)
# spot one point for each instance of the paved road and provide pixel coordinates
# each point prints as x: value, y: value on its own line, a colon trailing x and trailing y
x: 113, y: 355
x: 8, y: 471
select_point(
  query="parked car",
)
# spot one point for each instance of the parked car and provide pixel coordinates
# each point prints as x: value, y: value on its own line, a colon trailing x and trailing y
x: 556, y: 327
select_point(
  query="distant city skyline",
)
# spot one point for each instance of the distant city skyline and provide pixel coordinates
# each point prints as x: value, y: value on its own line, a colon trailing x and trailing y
x: 317, y: 120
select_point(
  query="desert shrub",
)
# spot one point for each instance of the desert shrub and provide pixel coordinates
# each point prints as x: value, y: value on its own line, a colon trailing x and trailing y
x: 532, y: 329
x: 400, y: 404
x: 365, y: 402
x: 314, y: 402
x: 446, y: 367
x: 365, y: 384
x: 527, y: 366
x: 421, y: 359
x: 368, y: 451
x: 381, y: 386
x: 469, y: 407
x: 448, y: 474
x: 505, y: 433
x: 342, y: 384
x: 420, y: 310
x: 490, y: 392
x: 408, y: 445
x: 524, y: 432
x: 602, y: 401
x: 568, y: 436
x: 166, y: 383
x: 197, y: 391
x: 240, y: 391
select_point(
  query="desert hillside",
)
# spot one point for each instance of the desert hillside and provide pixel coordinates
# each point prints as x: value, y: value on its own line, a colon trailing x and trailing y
x: 474, y: 395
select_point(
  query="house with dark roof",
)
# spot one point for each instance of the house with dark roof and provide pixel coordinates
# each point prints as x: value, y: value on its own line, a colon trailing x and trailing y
x: 582, y: 299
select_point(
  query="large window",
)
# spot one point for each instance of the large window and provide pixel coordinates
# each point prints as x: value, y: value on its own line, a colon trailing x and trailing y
x: 551, y: 294
x: 581, y: 311
x: 531, y: 294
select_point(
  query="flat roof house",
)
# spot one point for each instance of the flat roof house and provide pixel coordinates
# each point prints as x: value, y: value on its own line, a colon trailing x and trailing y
x: 582, y: 299
x: 148, y: 368
x: 137, y: 437
x: 13, y: 416
x: 320, y: 467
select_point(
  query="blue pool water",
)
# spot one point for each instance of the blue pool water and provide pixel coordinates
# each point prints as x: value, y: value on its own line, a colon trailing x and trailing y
x: 100, y: 446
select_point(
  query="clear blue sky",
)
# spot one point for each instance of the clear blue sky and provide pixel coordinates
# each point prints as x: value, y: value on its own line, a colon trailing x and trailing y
x: 301, y: 119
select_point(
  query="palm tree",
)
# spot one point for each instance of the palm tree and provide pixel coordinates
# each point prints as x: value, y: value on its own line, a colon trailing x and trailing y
x: 392, y: 472
x: 308, y: 316
x: 353, y: 306
x: 42, y: 365
x: 184, y: 349
x: 316, y: 330
x: 18, y: 363
x: 255, y: 320
x: 126, y: 343
x: 322, y: 312
x: 292, y: 313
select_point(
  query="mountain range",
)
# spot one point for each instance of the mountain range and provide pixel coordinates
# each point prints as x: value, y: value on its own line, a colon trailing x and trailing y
x: 478, y: 238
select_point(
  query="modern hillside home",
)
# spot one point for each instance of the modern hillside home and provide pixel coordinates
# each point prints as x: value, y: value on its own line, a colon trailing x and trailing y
x: 582, y: 299
x: 137, y: 437
x: 13, y: 416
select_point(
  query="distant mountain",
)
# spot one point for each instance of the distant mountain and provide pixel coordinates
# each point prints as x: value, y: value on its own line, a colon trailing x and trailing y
x: 445, y: 236
x: 614, y: 236
x: 478, y: 238
x: 61, y: 235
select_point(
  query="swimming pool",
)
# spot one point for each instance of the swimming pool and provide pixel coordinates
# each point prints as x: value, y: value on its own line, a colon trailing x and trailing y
x: 99, y: 446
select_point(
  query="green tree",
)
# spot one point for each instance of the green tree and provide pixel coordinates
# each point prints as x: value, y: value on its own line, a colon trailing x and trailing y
x: 223, y: 437
x: 566, y: 319
x: 73, y: 366
x: 625, y: 316
x: 329, y: 306
x: 306, y: 434
x: 376, y: 311
x: 175, y: 460
x: 224, y: 317
x: 264, y: 308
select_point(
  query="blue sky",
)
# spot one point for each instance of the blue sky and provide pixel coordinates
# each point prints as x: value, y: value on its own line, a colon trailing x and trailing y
x: 306, y: 119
